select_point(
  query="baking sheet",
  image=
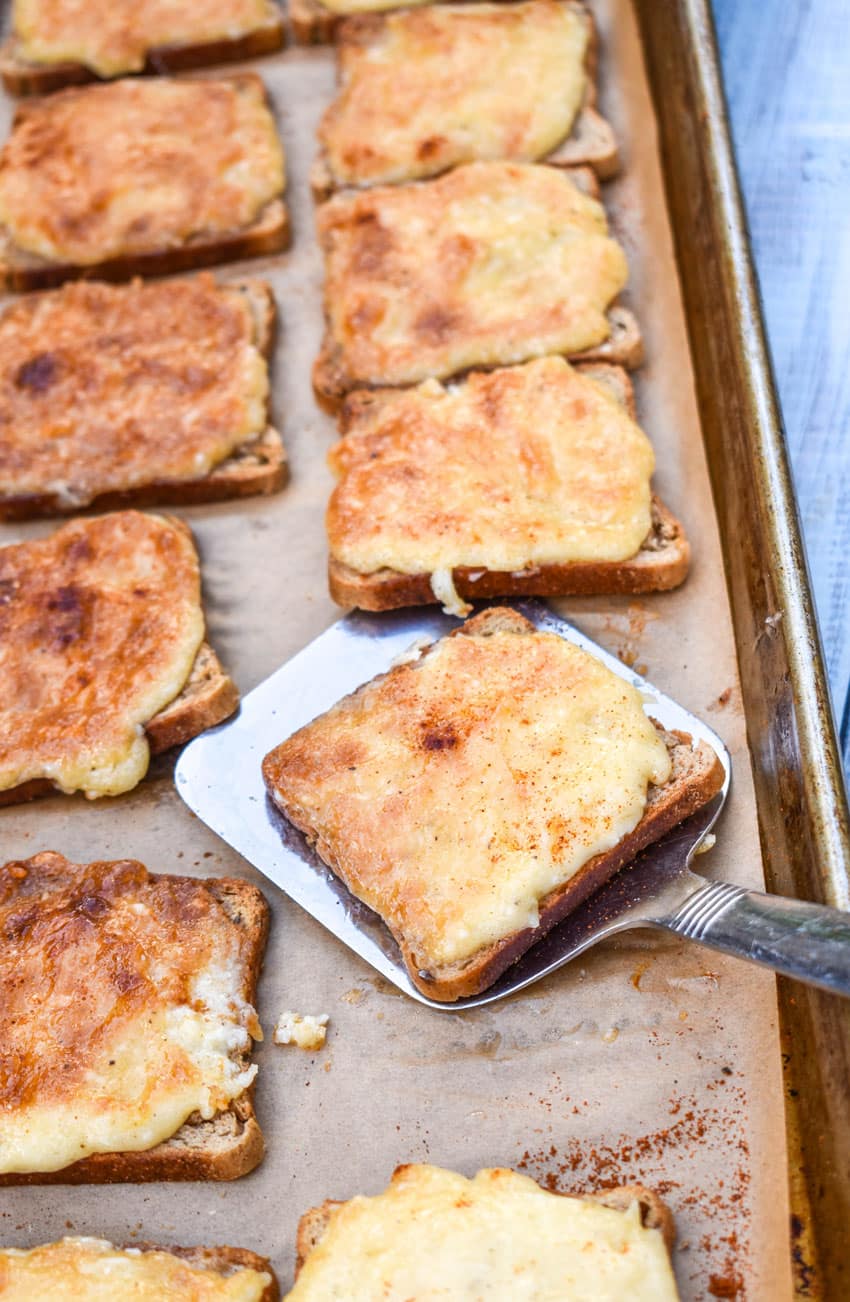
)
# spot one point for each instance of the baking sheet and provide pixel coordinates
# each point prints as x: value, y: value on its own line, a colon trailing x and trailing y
x: 650, y: 1059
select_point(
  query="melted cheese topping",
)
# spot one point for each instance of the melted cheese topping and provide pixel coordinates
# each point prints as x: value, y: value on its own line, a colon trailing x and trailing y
x: 433, y: 1235
x: 100, y: 625
x: 105, y: 388
x: 137, y: 166
x: 480, y: 81
x: 492, y: 263
x: 121, y: 1009
x: 92, y: 1270
x: 114, y: 36
x: 454, y: 794
x: 535, y: 465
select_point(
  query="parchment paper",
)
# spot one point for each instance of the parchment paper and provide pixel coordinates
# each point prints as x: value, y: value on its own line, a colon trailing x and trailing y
x: 649, y: 1059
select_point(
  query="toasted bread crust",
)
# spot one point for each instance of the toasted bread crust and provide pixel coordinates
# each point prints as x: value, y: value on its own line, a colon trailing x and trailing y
x: 257, y: 468
x: 661, y: 564
x: 20, y: 77
x: 591, y: 141
x: 208, y: 696
x: 697, y: 775
x: 197, y: 1151
x: 655, y: 1215
x: 270, y: 233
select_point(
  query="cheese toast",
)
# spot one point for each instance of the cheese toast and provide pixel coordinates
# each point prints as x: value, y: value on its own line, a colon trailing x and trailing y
x: 58, y: 43
x: 482, y: 81
x: 489, y: 265
x: 475, y: 795
x: 138, y: 394
x: 317, y: 22
x: 140, y: 177
x: 530, y: 480
x: 127, y: 1015
x: 433, y: 1233
x: 93, y: 1270
x: 102, y: 655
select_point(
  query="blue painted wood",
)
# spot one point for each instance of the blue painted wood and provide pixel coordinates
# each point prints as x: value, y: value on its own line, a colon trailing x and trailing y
x: 787, y: 73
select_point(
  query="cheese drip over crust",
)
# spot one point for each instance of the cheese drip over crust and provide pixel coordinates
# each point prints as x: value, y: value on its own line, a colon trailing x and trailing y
x: 480, y: 81
x: 434, y: 1235
x: 123, y: 1009
x: 100, y: 624
x: 534, y: 465
x: 114, y: 36
x: 454, y: 793
x: 490, y: 264
x: 135, y: 166
x: 92, y: 1270
x: 107, y: 387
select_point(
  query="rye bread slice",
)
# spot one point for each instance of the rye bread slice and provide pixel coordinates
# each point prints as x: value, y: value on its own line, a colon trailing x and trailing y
x: 661, y: 564
x: 270, y: 232
x: 23, y: 77
x: 697, y: 775
x: 655, y: 1215
x: 590, y: 142
x: 624, y: 348
x: 259, y: 467
x: 231, y: 1143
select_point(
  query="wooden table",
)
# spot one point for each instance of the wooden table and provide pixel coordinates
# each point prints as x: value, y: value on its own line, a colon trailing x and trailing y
x: 787, y: 72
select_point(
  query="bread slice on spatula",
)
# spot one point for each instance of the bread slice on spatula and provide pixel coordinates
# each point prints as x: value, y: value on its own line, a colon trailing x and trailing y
x: 481, y: 81
x: 498, y: 1235
x: 127, y: 1015
x: 531, y: 480
x: 476, y: 794
x: 136, y: 395
x: 144, y: 176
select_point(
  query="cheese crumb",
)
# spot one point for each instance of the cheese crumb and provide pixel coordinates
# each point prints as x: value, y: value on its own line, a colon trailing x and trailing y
x: 303, y: 1029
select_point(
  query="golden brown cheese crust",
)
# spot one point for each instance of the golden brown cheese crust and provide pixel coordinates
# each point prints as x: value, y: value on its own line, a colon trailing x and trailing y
x: 536, y: 464
x: 105, y: 389
x: 457, y: 791
x: 490, y: 264
x: 480, y: 81
x: 100, y: 624
x: 91, y: 956
x: 137, y: 166
x: 114, y: 36
x: 86, y: 946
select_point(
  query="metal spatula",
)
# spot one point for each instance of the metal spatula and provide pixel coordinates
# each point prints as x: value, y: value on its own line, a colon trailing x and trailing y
x: 218, y: 775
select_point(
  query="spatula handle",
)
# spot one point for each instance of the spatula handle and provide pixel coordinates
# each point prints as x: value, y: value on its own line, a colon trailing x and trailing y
x: 802, y: 940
